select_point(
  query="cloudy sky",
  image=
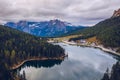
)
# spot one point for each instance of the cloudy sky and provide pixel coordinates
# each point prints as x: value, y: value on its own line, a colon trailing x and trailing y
x: 78, y: 12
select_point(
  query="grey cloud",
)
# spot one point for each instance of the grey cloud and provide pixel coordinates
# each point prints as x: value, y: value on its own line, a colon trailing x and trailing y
x: 78, y: 12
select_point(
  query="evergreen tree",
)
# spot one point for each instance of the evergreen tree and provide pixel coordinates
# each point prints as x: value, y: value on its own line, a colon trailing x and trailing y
x: 106, y: 75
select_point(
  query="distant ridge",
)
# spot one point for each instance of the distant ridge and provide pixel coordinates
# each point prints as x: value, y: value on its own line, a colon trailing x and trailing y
x: 52, y: 28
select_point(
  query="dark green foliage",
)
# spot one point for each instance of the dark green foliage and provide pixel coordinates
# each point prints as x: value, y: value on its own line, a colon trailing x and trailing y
x: 107, y: 31
x: 114, y: 74
x: 24, y: 75
x: 80, y: 37
x: 105, y: 77
x: 19, y: 46
x: 110, y: 32
x: 4, y: 72
x: 74, y: 32
x: 16, y: 46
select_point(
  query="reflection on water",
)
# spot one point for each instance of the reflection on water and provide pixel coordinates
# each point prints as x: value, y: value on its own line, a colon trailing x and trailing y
x: 39, y: 64
x: 83, y: 63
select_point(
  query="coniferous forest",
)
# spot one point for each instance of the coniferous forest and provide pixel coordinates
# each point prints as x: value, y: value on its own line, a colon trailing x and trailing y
x: 114, y: 74
x: 34, y: 39
x: 107, y: 32
x: 59, y: 40
x: 16, y: 46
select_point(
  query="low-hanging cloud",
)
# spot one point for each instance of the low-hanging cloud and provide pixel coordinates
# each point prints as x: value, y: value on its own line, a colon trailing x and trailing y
x: 78, y: 12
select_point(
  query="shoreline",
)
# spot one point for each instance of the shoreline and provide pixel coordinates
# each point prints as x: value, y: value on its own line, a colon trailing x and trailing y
x: 16, y: 66
x: 99, y: 47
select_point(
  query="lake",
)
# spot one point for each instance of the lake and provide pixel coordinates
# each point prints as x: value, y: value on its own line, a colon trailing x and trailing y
x: 83, y: 63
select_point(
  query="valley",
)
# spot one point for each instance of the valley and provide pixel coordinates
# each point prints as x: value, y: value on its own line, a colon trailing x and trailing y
x: 54, y: 49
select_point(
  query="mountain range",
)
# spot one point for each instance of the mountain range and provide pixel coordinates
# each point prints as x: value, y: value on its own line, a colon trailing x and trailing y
x: 50, y: 28
x: 17, y: 46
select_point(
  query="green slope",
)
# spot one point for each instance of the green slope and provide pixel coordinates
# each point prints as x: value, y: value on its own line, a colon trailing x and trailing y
x: 16, y: 46
x: 107, y: 31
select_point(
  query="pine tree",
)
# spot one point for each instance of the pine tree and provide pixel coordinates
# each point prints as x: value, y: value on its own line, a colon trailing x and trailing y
x: 106, y: 75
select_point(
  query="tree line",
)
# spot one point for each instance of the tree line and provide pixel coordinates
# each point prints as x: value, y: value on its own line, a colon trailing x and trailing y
x: 107, y: 32
x: 114, y: 74
x: 16, y: 46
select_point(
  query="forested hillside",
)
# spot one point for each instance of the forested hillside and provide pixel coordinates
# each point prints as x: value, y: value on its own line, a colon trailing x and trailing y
x: 107, y: 31
x: 114, y: 74
x: 16, y: 46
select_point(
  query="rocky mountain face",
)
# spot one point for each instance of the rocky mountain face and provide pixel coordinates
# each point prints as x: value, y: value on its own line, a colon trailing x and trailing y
x: 50, y: 28
x: 116, y: 13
